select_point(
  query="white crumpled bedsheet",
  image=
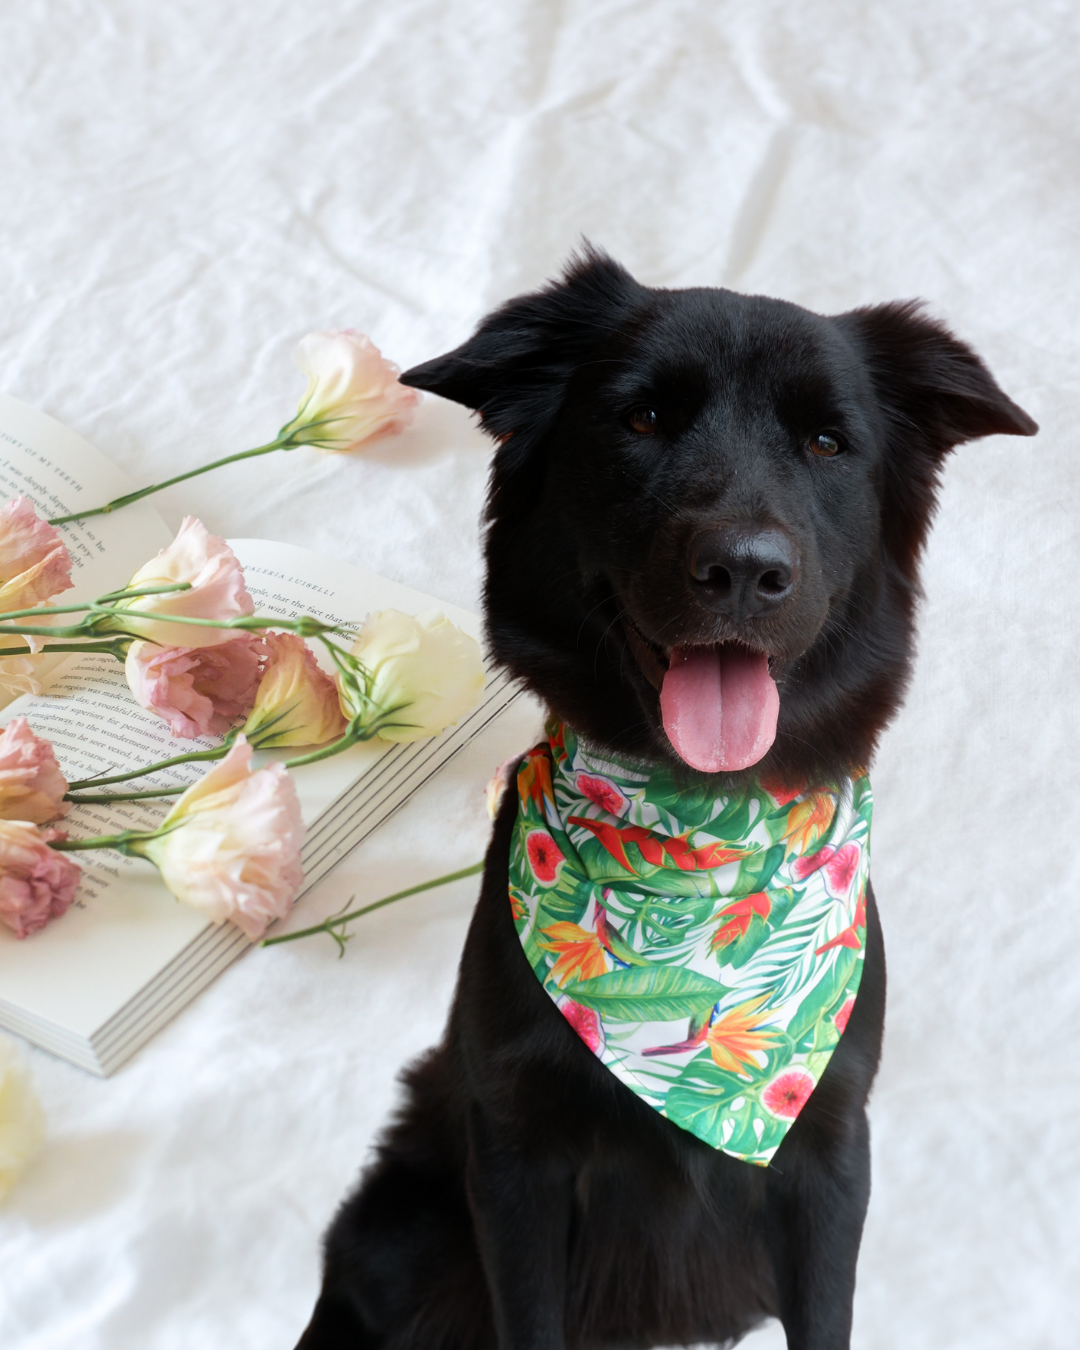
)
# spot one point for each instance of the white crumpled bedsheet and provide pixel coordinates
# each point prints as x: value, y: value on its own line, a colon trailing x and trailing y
x: 188, y: 188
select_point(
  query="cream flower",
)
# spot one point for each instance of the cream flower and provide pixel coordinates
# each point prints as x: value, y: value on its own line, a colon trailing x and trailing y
x: 37, y: 883
x: 297, y: 703
x: 217, y: 591
x: 17, y: 674
x: 31, y: 785
x: 353, y: 394
x: 22, y: 1121
x: 424, y: 674
x: 235, y: 851
x: 199, y: 691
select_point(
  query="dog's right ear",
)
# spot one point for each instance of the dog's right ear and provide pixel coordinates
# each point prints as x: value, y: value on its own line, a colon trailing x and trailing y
x: 515, y: 368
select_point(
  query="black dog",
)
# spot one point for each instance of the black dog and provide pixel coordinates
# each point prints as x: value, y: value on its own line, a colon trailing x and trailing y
x: 676, y: 470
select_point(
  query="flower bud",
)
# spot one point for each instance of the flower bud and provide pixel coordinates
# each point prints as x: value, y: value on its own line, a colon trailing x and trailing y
x: 297, y: 702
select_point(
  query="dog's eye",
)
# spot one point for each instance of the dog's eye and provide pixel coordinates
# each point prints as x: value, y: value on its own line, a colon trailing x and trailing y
x: 824, y: 444
x: 645, y: 421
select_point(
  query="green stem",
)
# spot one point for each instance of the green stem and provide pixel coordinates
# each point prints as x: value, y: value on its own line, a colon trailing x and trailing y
x: 44, y: 611
x: 130, y: 497
x: 328, y: 925
x: 111, y: 647
x: 121, y: 842
x: 104, y: 798
x: 192, y: 757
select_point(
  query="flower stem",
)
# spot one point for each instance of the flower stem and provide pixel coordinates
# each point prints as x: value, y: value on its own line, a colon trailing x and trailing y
x: 105, y: 797
x: 130, y: 497
x: 328, y: 925
x: 192, y: 757
x: 70, y: 647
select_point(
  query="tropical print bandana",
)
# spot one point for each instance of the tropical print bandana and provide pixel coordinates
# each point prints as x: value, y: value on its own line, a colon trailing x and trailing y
x: 706, y: 948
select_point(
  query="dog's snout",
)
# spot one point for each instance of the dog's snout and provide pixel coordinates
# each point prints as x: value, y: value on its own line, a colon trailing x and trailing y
x: 742, y: 571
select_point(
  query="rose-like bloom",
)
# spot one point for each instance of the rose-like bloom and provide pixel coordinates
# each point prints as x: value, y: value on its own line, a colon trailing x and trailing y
x: 498, y: 784
x: 297, y: 702
x: 235, y: 851
x: 217, y: 591
x: 353, y: 393
x: 34, y: 566
x: 199, y: 691
x: 424, y: 674
x: 22, y: 1121
x: 36, y: 882
x: 34, y: 563
x: 31, y: 785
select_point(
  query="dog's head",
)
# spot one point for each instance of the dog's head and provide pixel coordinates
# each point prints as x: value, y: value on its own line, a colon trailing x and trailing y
x: 707, y: 510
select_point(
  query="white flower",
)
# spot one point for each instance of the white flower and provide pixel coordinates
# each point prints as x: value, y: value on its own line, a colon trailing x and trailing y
x: 352, y: 395
x: 424, y: 674
x: 22, y: 1121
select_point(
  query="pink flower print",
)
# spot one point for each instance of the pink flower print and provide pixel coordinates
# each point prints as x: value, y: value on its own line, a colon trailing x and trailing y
x: 585, y: 1022
x: 840, y: 1018
x: 602, y: 793
x: 788, y: 1093
x: 545, y: 856
x: 840, y: 866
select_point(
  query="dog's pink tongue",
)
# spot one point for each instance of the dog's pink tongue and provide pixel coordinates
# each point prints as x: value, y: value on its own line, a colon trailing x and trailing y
x: 719, y: 707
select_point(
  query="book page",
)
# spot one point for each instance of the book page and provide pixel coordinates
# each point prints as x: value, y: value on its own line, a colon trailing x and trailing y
x: 125, y: 925
x: 59, y: 472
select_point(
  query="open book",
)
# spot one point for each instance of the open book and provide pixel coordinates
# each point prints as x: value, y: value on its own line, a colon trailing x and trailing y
x: 96, y: 984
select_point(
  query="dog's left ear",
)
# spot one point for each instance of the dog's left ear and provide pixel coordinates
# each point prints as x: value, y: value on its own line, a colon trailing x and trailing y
x: 515, y: 369
x: 935, y: 393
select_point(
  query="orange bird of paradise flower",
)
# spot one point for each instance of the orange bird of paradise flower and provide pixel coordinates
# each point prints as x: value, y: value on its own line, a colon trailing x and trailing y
x: 734, y: 1038
x: 582, y: 955
x: 808, y: 820
x: 534, y: 779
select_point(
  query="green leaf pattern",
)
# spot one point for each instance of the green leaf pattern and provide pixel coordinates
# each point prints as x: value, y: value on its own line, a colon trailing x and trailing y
x: 707, y: 948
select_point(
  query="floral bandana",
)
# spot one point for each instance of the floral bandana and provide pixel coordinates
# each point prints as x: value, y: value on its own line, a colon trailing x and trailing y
x: 706, y: 948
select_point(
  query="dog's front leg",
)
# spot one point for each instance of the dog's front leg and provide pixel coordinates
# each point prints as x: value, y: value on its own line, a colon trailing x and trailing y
x: 521, y: 1211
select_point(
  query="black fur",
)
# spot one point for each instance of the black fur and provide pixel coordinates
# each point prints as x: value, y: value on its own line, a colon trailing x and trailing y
x: 524, y: 1198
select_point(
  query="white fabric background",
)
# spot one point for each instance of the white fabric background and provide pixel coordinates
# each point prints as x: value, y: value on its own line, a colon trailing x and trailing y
x: 185, y: 189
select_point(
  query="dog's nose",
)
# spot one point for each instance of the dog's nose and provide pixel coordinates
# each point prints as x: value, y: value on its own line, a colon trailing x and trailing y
x: 742, y: 571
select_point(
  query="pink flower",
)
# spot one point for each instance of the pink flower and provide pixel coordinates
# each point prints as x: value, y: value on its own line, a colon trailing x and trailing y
x: 36, y: 883
x: 353, y: 394
x: 199, y: 691
x: 297, y: 702
x: 840, y: 1018
x: 31, y: 785
x: 840, y: 866
x: 602, y: 793
x: 788, y: 1093
x: 585, y: 1021
x: 235, y: 850
x: 215, y: 577
x: 545, y: 856
x: 34, y: 563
